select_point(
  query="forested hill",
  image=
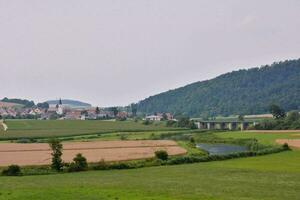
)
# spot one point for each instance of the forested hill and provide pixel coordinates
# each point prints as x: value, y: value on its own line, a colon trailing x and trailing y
x: 239, y: 92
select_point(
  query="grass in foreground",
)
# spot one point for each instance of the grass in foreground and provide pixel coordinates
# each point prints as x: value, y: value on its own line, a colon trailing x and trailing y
x: 271, y: 177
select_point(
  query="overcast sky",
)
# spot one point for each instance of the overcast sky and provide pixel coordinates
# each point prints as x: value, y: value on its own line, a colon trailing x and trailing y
x: 114, y: 52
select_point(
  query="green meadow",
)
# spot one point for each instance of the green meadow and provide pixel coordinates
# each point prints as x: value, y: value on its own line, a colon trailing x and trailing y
x: 264, y: 138
x: 271, y: 177
x: 58, y: 128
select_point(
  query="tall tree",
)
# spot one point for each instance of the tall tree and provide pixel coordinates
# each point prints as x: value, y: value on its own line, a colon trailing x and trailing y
x: 97, y: 111
x: 56, y: 148
x: 134, y: 109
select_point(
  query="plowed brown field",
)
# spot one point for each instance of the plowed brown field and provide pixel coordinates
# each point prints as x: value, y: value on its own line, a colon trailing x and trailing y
x: 40, y: 154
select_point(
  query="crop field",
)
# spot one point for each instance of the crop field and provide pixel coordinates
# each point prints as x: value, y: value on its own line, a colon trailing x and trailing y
x: 40, y: 153
x: 295, y: 143
x: 54, y: 128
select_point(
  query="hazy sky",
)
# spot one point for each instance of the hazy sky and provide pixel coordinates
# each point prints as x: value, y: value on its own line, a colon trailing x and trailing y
x: 114, y: 52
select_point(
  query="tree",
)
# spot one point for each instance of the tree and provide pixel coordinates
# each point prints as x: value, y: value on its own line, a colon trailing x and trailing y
x: 293, y: 116
x: 277, y: 112
x: 84, y: 112
x: 79, y: 164
x: 241, y: 118
x: 97, y: 111
x: 44, y: 105
x: 162, y: 155
x: 134, y: 109
x: 56, y: 148
x: 184, y: 122
x: 12, y: 170
x: 164, y: 117
x: 114, y: 110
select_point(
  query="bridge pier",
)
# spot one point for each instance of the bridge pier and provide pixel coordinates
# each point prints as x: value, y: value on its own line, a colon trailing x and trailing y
x: 244, y: 126
x: 210, y: 125
x: 232, y: 126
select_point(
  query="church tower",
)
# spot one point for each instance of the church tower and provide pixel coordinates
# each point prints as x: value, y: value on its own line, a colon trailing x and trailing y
x: 59, y: 108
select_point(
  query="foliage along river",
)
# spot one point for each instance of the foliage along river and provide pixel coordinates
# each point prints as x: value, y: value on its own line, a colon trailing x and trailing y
x: 221, y: 149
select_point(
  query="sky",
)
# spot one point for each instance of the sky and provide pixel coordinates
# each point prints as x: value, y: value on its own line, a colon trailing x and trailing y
x: 115, y: 52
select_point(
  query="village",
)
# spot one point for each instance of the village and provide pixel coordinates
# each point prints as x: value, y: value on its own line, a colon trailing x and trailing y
x: 62, y: 111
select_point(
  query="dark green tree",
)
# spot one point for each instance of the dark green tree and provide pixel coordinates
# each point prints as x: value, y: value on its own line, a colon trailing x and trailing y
x: 133, y: 109
x: 79, y: 164
x: 97, y: 111
x: 161, y: 154
x: 277, y: 112
x: 241, y: 118
x: 56, y: 148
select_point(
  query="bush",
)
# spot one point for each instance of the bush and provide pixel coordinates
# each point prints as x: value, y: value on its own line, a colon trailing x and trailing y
x: 12, y: 170
x: 101, y: 165
x: 285, y: 146
x: 123, y: 137
x: 192, y: 140
x: 79, y: 164
x: 147, y: 122
x: 171, y: 123
x: 161, y: 154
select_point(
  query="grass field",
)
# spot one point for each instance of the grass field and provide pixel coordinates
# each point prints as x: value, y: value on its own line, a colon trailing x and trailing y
x: 51, y: 128
x: 264, y: 138
x: 272, y: 177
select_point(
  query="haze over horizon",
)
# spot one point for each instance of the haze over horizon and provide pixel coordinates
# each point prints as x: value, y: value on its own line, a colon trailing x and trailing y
x: 115, y: 52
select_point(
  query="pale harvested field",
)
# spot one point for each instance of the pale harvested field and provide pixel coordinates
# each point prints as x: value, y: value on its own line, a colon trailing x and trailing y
x: 40, y: 154
x: 291, y: 142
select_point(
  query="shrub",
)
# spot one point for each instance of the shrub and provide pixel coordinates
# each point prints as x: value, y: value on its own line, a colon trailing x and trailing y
x: 12, y: 170
x: 79, y: 164
x: 285, y: 146
x: 161, y: 154
x: 171, y: 123
x: 147, y: 122
x: 123, y: 137
x: 192, y: 140
x: 101, y: 165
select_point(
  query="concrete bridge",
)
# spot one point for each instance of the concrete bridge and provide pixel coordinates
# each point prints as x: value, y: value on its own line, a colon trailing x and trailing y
x: 224, y: 124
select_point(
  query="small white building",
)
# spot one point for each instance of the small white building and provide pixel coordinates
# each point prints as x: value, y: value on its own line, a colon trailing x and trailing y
x: 153, y: 118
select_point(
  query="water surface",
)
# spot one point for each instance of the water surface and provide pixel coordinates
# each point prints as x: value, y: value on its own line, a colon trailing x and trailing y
x: 221, y: 149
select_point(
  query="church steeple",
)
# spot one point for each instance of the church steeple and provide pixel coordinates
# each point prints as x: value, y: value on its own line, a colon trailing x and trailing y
x: 60, y: 102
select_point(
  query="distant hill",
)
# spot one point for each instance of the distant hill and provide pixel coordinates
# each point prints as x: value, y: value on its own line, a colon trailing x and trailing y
x: 239, y: 92
x: 70, y: 103
x: 9, y: 105
x: 23, y: 102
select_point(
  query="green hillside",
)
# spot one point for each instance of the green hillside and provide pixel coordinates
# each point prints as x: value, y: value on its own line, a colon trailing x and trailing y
x: 239, y: 92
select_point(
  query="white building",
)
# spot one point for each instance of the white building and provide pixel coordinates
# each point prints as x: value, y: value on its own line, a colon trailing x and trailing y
x: 153, y: 118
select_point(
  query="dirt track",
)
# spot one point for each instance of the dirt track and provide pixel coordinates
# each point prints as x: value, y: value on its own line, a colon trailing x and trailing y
x: 40, y: 154
x: 291, y: 142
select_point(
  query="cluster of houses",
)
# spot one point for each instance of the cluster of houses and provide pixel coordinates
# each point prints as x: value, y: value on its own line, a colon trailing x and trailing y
x: 9, y: 112
x: 60, y: 111
x: 57, y: 112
